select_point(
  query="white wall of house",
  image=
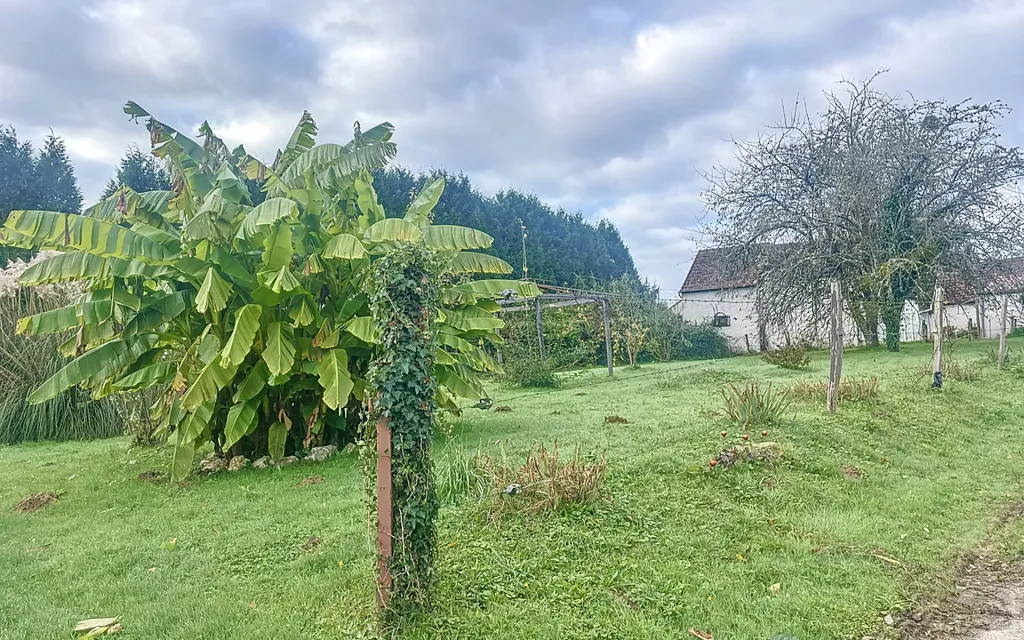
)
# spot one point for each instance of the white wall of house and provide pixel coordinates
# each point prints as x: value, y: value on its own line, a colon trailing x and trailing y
x: 738, y: 305
x: 984, y: 315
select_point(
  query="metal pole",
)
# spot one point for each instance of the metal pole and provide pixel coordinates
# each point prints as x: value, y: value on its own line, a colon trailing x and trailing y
x: 384, y: 513
x: 540, y: 333
x: 608, y: 336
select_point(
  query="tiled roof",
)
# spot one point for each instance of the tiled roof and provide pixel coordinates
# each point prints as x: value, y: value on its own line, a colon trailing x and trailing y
x: 1007, y: 276
x: 729, y: 267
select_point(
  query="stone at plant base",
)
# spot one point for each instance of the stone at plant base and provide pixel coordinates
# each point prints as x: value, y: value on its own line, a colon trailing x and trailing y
x: 261, y: 463
x: 212, y: 464
x: 238, y: 463
x: 319, y: 454
x: 287, y: 460
x: 350, y: 447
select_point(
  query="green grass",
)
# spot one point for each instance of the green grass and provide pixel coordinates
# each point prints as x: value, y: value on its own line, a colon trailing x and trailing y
x: 675, y: 549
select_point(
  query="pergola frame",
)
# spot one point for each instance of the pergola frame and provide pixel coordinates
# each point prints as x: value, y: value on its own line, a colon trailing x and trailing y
x: 559, y: 297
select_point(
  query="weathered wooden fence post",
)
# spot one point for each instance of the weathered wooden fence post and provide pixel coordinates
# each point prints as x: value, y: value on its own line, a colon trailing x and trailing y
x: 835, y: 370
x: 1002, y: 331
x: 385, y: 512
x: 540, y: 332
x: 608, y: 336
x: 937, y: 339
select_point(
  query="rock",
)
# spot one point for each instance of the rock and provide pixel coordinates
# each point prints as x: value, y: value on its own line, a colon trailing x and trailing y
x: 319, y: 454
x: 287, y: 460
x: 261, y: 463
x: 889, y: 620
x: 212, y: 464
x: 238, y: 463
x: 350, y: 447
x: 917, y: 616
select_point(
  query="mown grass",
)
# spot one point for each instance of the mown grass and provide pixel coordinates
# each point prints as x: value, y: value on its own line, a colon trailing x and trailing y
x: 675, y: 548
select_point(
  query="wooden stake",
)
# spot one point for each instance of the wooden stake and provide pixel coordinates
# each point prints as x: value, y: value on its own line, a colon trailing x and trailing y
x: 540, y: 333
x: 384, y: 513
x: 608, y: 336
x: 835, y: 369
x: 1002, y: 332
x: 937, y: 339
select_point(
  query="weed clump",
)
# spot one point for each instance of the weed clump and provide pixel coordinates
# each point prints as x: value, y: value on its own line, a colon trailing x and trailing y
x: 754, y: 405
x: 850, y: 389
x: 544, y: 482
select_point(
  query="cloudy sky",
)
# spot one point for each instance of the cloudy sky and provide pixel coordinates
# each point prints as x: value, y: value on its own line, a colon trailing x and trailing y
x: 609, y: 108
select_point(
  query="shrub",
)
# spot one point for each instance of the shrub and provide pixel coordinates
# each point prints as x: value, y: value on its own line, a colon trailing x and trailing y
x: 704, y: 342
x: 754, y: 405
x: 850, y: 389
x: 794, y: 357
x: 960, y: 370
x: 1017, y: 332
x: 544, y: 482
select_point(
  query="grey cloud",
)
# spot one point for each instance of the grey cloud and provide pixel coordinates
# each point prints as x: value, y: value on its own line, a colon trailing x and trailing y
x: 608, y: 108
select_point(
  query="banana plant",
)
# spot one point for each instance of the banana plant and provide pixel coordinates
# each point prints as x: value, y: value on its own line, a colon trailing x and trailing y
x: 253, y: 321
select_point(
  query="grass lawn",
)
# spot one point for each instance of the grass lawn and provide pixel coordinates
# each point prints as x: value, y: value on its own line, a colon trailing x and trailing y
x: 675, y: 549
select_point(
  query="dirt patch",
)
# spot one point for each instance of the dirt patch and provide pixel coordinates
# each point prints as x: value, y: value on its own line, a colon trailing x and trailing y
x: 311, y: 480
x: 35, y: 502
x: 615, y: 420
x: 503, y: 408
x: 581, y: 393
x: 153, y: 476
x: 987, y: 604
x: 310, y: 545
x: 852, y: 473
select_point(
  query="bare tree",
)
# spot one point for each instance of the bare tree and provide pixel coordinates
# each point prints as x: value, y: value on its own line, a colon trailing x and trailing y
x: 886, y: 194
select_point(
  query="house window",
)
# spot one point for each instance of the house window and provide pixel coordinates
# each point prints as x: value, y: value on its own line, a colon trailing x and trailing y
x: 720, y: 320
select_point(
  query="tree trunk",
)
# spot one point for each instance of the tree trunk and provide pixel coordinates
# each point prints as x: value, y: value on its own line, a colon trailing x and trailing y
x: 865, y: 316
x: 892, y: 318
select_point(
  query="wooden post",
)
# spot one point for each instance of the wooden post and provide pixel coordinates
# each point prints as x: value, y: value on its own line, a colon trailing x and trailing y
x: 540, y: 332
x: 1002, y: 332
x: 608, y: 336
x: 937, y: 339
x: 385, y: 513
x: 835, y: 369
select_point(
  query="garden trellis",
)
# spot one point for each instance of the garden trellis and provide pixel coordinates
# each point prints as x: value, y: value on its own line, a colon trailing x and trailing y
x: 557, y: 297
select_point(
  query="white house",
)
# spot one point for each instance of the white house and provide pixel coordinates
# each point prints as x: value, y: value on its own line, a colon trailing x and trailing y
x: 714, y: 294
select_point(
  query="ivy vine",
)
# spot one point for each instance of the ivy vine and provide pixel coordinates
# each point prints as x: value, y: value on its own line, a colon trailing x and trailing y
x: 404, y: 296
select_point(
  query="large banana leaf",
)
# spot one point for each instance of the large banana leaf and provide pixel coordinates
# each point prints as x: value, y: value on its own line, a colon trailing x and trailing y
x: 344, y: 246
x: 393, y: 230
x: 276, y: 439
x: 458, y: 384
x: 301, y: 140
x: 253, y: 383
x: 500, y: 288
x: 181, y: 463
x: 96, y: 364
x: 471, y: 262
x: 363, y: 328
x: 212, y: 379
x: 277, y: 248
x: 470, y: 318
x: 53, y: 230
x: 279, y: 352
x: 52, y: 321
x: 265, y: 214
x: 79, y: 265
x: 447, y: 237
x: 154, y: 374
x: 336, y: 159
x: 241, y: 420
x: 334, y: 378
x: 419, y: 209
x: 282, y: 280
x: 194, y: 423
x: 366, y: 198
x: 157, y: 313
x: 214, y: 293
x: 247, y: 323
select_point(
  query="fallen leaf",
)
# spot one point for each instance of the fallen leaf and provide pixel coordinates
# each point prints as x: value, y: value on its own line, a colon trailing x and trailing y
x: 775, y: 587
x: 739, y: 556
x: 341, y: 563
x: 153, y: 569
x: 252, y: 605
x: 703, y: 635
x: 95, y: 623
x: 169, y: 544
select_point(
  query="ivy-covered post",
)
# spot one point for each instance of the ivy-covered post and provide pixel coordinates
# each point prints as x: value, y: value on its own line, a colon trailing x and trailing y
x: 403, y: 389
